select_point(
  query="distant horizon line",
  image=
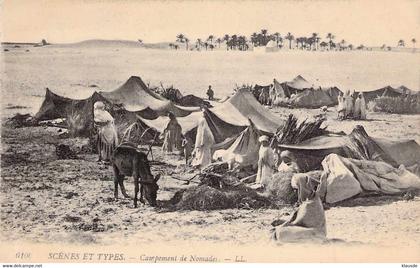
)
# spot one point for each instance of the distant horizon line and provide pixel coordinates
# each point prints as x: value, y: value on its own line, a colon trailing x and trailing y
x: 137, y: 41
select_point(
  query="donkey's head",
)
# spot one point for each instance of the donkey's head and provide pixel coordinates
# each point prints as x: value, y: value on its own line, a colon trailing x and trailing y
x: 150, y: 189
x: 148, y: 181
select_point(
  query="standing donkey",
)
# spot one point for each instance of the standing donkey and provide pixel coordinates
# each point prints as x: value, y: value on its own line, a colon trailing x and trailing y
x: 128, y: 161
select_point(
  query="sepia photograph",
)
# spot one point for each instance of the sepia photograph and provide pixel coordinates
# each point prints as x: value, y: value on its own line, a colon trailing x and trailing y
x: 219, y: 131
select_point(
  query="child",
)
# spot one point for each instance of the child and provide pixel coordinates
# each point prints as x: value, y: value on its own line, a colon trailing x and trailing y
x: 187, y: 148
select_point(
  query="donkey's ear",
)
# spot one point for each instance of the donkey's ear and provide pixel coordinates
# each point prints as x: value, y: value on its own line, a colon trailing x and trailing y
x: 157, y: 177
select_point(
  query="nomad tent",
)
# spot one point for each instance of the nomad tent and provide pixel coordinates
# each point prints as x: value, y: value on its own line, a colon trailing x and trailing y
x: 242, y: 150
x: 300, y: 93
x: 357, y: 145
x: 271, y: 46
x: 79, y: 113
x: 357, y: 163
x: 243, y: 106
x: 298, y: 83
x: 221, y: 130
x: 135, y: 95
x: 387, y: 91
x: 312, y: 98
x: 226, y: 120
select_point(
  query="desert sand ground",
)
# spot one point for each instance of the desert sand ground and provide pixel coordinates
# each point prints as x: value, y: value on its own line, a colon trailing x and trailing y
x: 53, y: 201
x: 49, y: 200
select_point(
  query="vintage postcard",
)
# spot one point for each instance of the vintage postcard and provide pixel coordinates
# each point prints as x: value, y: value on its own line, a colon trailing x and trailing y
x: 210, y: 131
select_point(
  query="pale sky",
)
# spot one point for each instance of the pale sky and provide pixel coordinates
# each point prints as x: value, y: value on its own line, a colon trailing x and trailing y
x: 367, y: 22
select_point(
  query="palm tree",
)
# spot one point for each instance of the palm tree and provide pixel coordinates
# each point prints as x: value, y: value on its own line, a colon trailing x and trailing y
x: 414, y: 41
x: 140, y: 41
x: 180, y: 38
x: 342, y: 43
x: 298, y: 40
x: 310, y: 41
x: 254, y: 39
x: 210, y: 38
x: 264, y: 34
x: 323, y: 44
x: 277, y: 37
x: 290, y: 37
x: 226, y: 38
x: 219, y: 40
x: 199, y: 43
x: 241, y: 42
x: 234, y: 41
x: 331, y: 37
x: 316, y: 40
x: 383, y: 47
x: 186, y: 40
x: 401, y: 43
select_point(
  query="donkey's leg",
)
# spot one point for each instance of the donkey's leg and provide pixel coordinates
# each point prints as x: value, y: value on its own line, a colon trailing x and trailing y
x: 141, y: 193
x: 136, y: 180
x: 136, y: 190
x: 116, y: 179
x: 121, y: 183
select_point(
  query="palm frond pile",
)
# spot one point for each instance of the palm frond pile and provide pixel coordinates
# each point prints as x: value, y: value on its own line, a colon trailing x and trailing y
x: 294, y: 132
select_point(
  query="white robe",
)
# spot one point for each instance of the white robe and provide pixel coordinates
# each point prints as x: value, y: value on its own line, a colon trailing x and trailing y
x: 203, y: 144
x: 360, y: 108
x: 265, y: 163
x: 108, y: 137
x: 349, y: 104
x: 341, y: 105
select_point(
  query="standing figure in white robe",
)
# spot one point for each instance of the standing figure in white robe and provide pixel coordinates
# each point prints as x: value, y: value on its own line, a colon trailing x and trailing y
x: 341, y: 108
x: 204, y: 142
x: 266, y: 162
x: 107, y: 133
x: 360, y: 107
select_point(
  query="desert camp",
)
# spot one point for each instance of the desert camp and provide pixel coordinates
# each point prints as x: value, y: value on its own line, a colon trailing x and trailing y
x: 238, y: 152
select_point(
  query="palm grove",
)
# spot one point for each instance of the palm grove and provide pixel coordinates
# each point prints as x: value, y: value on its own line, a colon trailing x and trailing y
x: 242, y: 42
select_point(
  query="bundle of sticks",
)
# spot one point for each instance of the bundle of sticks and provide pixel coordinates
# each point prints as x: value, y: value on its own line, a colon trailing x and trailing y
x: 294, y: 133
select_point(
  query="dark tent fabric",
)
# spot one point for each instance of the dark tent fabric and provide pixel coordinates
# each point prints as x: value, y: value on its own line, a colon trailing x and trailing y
x: 193, y: 101
x: 373, y: 94
x: 79, y: 113
x: 405, y: 90
x: 299, y: 83
x: 405, y: 152
x: 226, y: 120
x: 288, y: 90
x: 333, y: 93
x: 312, y: 98
x: 302, y: 94
x: 258, y: 89
x: 357, y: 145
x: 221, y: 130
x: 392, y: 92
x: 53, y: 106
x: 135, y: 95
x: 281, y: 89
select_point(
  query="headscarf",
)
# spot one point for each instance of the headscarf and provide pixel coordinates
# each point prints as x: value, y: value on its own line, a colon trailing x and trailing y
x: 100, y: 114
